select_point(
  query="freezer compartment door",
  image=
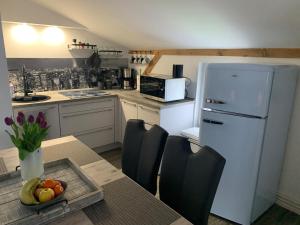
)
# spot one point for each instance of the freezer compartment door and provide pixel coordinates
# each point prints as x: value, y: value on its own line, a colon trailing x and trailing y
x: 239, y: 141
x: 238, y: 91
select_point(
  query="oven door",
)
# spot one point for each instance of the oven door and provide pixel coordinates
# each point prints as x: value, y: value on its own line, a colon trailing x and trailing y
x: 152, y: 86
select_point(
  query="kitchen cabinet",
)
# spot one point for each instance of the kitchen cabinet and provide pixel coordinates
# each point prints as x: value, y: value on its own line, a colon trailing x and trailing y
x: 91, y: 121
x: 52, y: 116
x: 128, y: 110
x: 149, y: 115
x: 173, y: 119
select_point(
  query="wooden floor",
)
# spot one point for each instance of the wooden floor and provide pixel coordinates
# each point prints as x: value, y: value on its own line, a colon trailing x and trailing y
x: 274, y: 216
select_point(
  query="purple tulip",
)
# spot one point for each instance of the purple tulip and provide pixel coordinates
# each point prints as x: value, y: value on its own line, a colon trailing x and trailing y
x: 41, y: 115
x: 30, y: 119
x: 43, y: 124
x: 20, y: 120
x: 40, y: 118
x: 21, y: 114
x: 8, y: 121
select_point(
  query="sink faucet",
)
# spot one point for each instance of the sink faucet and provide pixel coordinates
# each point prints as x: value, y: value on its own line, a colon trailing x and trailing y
x: 26, y: 89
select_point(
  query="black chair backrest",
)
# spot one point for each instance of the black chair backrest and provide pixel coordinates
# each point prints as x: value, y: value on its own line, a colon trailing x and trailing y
x: 189, y: 181
x: 142, y: 153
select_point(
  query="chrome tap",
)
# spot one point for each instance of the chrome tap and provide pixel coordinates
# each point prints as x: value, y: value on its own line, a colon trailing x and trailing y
x: 26, y: 88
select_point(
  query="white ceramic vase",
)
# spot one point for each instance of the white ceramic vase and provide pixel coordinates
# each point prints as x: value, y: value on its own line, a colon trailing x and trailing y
x: 33, y: 165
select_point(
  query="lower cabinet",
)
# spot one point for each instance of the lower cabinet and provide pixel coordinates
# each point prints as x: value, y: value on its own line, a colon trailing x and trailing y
x: 51, y: 113
x: 128, y: 110
x: 91, y: 122
x: 173, y: 118
x: 98, y: 137
x: 149, y: 115
x: 102, y: 122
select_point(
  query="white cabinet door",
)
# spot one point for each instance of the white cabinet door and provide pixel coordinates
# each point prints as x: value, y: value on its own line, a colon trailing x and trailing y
x: 73, y: 123
x: 52, y: 117
x: 149, y: 115
x: 128, y: 111
x: 238, y: 91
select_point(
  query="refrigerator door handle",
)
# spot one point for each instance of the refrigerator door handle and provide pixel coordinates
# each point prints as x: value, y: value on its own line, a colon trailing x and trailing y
x: 214, y: 101
x: 212, y: 122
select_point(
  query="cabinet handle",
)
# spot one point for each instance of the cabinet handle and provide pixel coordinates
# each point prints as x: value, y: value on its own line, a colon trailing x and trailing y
x: 92, y: 131
x: 35, y: 109
x: 85, y: 113
x: 84, y: 103
x: 214, y: 101
x: 212, y: 122
x: 148, y: 109
x: 129, y: 103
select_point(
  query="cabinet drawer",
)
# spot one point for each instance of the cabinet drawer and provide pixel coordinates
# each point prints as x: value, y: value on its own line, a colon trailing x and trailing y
x: 73, y: 123
x: 85, y: 105
x: 98, y: 137
x: 149, y: 115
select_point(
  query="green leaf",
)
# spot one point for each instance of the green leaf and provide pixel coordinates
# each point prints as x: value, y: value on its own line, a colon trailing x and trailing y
x: 23, y: 154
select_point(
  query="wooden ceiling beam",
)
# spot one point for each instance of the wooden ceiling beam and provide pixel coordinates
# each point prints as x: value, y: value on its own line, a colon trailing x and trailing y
x: 152, y: 64
x: 242, y: 52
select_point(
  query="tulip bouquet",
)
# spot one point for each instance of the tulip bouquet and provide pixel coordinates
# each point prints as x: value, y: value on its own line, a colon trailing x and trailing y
x: 28, y: 133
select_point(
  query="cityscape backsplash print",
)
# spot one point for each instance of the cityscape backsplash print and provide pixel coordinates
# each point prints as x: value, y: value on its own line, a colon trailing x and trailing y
x: 60, y: 74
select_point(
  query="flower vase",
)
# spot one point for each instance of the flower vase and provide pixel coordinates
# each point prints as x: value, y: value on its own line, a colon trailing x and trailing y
x: 32, y: 166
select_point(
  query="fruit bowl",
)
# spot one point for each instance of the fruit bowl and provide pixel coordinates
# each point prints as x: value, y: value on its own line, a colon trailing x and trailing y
x: 59, y: 198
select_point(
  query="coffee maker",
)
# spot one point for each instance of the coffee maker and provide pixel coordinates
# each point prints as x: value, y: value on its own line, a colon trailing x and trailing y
x: 128, y: 79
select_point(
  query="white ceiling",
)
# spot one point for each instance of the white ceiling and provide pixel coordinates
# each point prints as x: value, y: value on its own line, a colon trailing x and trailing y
x: 153, y: 24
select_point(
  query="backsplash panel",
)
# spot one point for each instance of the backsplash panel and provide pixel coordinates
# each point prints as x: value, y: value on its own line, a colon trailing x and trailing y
x: 62, y: 73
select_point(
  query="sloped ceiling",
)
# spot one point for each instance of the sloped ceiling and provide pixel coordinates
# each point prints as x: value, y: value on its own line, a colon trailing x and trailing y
x: 155, y: 24
x: 30, y: 12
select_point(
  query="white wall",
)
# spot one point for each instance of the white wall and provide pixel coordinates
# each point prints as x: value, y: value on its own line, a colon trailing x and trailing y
x: 5, y: 103
x: 41, y: 49
x: 26, y: 11
x: 289, y: 191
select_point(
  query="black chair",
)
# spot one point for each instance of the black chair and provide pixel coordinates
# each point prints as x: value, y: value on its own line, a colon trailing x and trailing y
x: 142, y: 153
x: 189, y: 181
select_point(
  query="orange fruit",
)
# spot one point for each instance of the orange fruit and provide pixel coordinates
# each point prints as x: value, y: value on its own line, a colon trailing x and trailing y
x: 49, y: 183
x: 57, y: 183
x: 58, y: 189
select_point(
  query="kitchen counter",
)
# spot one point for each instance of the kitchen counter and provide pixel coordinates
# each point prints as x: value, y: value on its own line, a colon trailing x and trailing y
x: 133, y: 95
x: 136, y: 96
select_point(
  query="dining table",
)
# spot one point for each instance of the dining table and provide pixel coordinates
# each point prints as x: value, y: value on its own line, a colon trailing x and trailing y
x: 125, y: 202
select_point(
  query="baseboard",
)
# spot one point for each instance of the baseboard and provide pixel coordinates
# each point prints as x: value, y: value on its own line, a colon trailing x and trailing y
x: 286, y: 202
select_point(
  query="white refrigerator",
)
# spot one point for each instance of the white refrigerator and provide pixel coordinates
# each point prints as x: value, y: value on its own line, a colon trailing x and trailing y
x: 245, y: 117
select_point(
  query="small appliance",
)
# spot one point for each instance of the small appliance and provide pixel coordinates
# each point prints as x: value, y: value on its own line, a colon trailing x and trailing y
x: 162, y: 88
x: 177, y: 71
x: 128, y: 79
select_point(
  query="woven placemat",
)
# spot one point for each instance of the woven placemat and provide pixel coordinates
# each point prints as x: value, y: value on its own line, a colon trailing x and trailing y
x: 126, y: 203
x: 3, y: 168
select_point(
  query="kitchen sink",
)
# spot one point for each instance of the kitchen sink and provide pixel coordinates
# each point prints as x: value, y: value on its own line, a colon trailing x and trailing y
x: 83, y: 94
x: 30, y: 98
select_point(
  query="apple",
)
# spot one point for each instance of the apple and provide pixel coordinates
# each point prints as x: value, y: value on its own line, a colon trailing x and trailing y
x: 46, y: 195
x: 37, y: 192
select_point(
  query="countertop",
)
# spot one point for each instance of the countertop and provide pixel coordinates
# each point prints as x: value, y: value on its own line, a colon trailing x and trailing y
x: 130, y: 95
